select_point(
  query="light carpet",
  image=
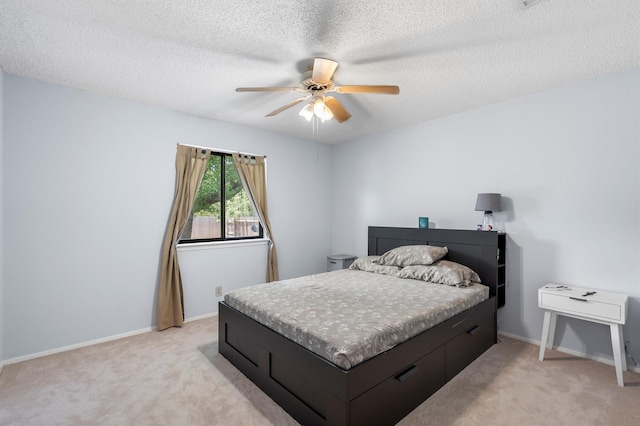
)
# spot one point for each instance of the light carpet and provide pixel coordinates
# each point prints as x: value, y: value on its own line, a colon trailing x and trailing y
x: 177, y: 377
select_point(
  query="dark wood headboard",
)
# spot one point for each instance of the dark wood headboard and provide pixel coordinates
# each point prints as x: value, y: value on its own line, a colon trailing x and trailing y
x: 475, y: 249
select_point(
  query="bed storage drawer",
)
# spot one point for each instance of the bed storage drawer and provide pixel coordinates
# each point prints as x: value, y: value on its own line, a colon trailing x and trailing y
x: 389, y: 401
x: 469, y: 345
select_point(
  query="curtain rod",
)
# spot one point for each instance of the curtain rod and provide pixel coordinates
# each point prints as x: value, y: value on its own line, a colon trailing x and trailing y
x: 224, y: 151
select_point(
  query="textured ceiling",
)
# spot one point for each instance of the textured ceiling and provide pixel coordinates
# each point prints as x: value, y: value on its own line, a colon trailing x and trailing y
x: 447, y: 56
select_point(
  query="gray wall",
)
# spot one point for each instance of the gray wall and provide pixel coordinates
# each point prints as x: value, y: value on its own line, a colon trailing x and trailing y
x: 81, y: 255
x: 1, y: 218
x: 567, y: 162
x: 88, y: 188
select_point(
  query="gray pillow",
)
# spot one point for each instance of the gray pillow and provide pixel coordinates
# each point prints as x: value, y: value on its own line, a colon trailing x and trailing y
x: 412, y: 255
x: 442, y: 272
x: 366, y: 264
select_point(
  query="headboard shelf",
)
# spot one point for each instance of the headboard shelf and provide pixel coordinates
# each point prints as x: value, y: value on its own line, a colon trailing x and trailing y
x: 482, y: 251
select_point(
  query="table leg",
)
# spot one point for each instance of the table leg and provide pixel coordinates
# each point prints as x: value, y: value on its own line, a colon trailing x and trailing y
x: 552, y: 329
x: 617, y: 342
x: 548, y: 330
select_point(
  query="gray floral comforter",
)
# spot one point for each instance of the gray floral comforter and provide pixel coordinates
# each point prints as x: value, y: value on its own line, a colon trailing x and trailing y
x: 349, y: 316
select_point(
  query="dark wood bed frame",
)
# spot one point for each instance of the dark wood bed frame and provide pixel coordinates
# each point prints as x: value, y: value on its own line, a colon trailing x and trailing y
x: 383, y: 389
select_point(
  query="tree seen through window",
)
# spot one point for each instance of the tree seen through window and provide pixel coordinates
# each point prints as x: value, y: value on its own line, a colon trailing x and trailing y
x: 209, y: 221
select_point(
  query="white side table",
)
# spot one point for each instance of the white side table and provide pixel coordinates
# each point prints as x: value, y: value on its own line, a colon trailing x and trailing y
x: 339, y: 261
x: 586, y: 304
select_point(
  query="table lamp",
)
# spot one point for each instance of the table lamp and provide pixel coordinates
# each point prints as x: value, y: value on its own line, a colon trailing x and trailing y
x: 488, y: 203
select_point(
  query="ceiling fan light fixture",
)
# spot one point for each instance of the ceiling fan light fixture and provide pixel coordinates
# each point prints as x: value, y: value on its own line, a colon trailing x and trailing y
x: 325, y: 113
x: 307, y: 112
x: 318, y: 108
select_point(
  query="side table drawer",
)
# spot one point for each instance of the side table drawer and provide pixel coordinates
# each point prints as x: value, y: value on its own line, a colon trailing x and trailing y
x: 582, y: 306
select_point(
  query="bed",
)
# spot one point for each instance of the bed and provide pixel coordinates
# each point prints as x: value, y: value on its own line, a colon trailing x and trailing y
x: 316, y: 389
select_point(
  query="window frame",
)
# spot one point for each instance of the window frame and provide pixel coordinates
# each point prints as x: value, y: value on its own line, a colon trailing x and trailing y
x: 223, y: 199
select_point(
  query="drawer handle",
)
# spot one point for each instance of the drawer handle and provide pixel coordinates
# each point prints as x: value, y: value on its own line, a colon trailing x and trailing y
x: 474, y: 330
x: 407, y: 373
x: 577, y: 298
x: 333, y: 262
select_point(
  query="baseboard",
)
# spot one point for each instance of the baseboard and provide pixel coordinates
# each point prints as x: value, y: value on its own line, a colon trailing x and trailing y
x: 214, y: 314
x: 635, y: 369
x: 16, y: 360
x: 94, y: 342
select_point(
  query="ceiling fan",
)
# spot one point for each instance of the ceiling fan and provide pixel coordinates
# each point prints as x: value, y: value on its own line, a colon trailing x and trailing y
x: 316, y: 83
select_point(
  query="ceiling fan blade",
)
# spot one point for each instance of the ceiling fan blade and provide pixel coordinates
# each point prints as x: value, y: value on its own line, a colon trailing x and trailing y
x: 287, y: 106
x: 384, y: 90
x: 336, y: 108
x: 266, y: 89
x: 323, y: 70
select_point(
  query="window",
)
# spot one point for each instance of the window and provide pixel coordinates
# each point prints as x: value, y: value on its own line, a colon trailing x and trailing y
x: 222, y: 210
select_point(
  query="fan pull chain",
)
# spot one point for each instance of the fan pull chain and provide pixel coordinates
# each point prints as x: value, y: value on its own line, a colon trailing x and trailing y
x: 316, y: 127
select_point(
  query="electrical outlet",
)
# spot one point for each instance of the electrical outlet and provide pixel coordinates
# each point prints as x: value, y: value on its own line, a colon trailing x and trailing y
x: 218, y: 291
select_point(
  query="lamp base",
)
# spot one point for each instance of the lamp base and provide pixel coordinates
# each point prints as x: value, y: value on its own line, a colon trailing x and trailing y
x: 487, y: 222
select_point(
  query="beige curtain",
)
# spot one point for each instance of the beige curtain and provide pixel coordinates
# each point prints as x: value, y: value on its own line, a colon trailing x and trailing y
x: 190, y: 167
x: 251, y: 169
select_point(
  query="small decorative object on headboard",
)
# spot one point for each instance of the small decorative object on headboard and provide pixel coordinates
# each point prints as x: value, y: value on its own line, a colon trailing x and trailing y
x: 489, y: 203
x: 423, y: 222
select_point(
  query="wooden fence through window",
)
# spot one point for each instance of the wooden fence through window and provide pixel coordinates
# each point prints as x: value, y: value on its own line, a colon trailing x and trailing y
x: 209, y: 227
